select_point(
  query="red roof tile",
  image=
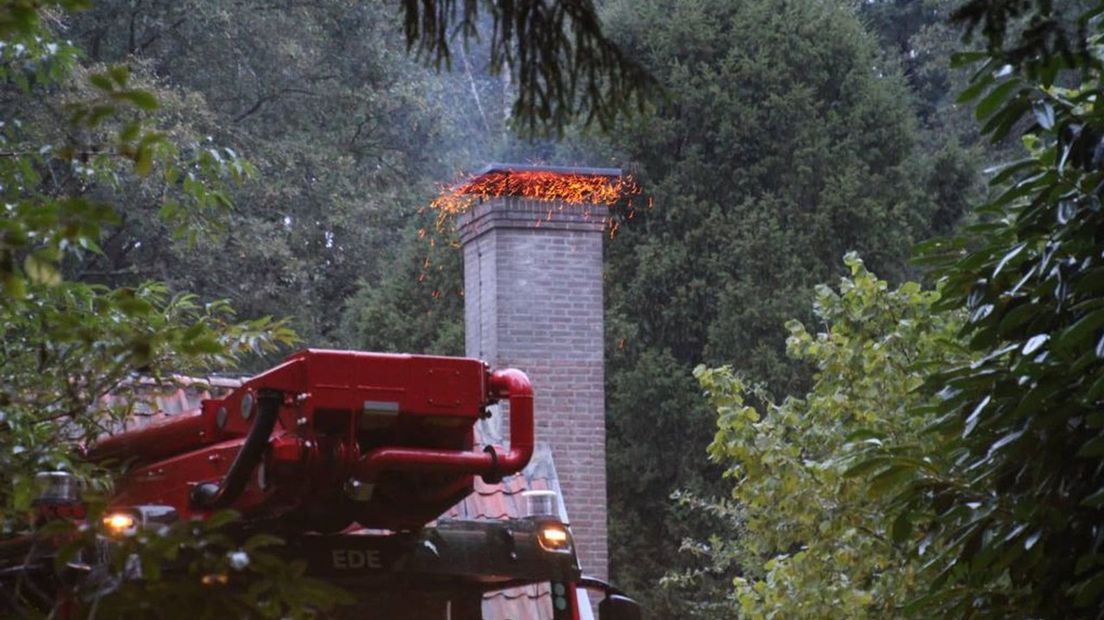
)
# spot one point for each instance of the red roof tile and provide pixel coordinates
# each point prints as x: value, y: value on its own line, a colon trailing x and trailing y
x: 524, y: 603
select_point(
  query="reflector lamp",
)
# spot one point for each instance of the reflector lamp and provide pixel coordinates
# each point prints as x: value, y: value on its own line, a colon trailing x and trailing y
x: 57, y: 488
x: 541, y: 503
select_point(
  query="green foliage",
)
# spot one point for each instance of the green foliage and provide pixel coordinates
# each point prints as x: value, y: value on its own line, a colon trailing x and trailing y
x: 787, y: 143
x: 658, y: 411
x: 417, y: 305
x: 347, y: 135
x: 1017, y: 476
x: 1029, y: 33
x: 191, y: 570
x: 71, y: 130
x: 811, y: 541
x: 918, y: 37
x: 19, y: 17
x: 66, y: 344
x: 563, y: 63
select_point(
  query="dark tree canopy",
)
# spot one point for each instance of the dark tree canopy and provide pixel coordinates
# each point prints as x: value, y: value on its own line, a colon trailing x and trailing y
x: 1017, y: 480
x: 563, y: 63
x: 784, y: 139
x: 1030, y: 33
x: 788, y: 141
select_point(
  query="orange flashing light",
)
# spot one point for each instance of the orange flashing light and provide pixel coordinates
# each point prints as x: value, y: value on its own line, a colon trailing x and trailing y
x: 554, y: 537
x: 215, y: 579
x: 119, y: 523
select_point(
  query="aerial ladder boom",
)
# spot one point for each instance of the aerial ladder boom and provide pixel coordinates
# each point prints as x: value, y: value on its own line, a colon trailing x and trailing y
x: 329, y: 439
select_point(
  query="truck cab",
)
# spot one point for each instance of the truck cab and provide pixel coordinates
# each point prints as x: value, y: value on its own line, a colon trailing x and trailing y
x: 459, y: 570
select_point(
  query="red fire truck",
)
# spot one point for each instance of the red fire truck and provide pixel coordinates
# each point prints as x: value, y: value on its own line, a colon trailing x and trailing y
x: 351, y: 457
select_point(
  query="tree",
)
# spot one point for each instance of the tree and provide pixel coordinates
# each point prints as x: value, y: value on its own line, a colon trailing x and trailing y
x: 787, y: 143
x: 809, y: 539
x: 417, y: 305
x: 336, y: 120
x: 565, y: 65
x: 78, y: 137
x: 917, y: 37
x: 1017, y: 484
x: 66, y: 344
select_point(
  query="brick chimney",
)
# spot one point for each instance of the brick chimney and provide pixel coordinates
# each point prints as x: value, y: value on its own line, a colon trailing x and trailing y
x: 533, y: 300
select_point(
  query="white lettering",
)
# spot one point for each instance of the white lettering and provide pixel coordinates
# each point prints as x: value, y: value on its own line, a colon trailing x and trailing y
x: 373, y: 559
x: 356, y: 558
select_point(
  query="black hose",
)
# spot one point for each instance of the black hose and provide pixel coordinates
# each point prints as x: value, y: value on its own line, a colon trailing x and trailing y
x: 212, y: 495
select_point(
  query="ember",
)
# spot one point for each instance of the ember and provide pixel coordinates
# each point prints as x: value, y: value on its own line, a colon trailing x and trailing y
x: 559, y: 187
x: 565, y: 186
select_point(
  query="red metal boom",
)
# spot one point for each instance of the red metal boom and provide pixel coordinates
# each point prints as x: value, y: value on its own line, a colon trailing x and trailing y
x: 330, y: 439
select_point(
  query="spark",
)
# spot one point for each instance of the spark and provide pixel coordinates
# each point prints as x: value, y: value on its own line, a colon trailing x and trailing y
x: 540, y: 185
x: 559, y: 189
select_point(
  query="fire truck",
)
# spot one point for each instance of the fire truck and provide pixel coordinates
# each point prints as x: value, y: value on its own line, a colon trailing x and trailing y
x: 351, y: 458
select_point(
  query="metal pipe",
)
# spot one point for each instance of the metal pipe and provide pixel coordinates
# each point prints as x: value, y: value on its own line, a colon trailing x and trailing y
x: 212, y: 495
x: 492, y: 463
x: 513, y: 384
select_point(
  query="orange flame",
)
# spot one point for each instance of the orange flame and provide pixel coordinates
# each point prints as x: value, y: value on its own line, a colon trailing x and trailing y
x: 562, y: 188
x: 542, y: 185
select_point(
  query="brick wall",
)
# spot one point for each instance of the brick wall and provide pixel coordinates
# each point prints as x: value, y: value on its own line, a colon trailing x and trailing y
x: 533, y: 300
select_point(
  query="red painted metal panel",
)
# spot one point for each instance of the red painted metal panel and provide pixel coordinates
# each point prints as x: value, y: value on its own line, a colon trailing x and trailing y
x: 381, y: 440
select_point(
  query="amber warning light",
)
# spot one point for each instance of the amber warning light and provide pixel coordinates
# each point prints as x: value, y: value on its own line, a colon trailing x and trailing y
x: 119, y: 523
x: 554, y: 537
x: 551, y: 535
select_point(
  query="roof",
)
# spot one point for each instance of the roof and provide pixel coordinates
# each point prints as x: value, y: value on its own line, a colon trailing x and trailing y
x: 500, y: 501
x: 167, y: 399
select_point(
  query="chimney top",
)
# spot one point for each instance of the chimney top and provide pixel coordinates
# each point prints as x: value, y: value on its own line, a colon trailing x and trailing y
x: 563, y: 184
x: 497, y: 168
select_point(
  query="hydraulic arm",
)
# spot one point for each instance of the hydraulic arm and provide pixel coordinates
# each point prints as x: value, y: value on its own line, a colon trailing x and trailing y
x: 328, y: 439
